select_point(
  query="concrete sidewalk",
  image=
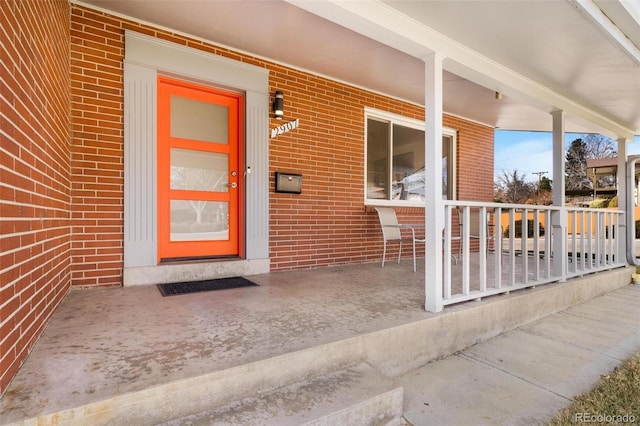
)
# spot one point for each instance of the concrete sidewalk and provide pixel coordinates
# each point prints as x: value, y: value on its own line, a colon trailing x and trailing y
x: 528, y: 375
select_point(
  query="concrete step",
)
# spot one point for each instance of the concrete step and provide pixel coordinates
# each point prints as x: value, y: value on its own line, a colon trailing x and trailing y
x: 358, y: 395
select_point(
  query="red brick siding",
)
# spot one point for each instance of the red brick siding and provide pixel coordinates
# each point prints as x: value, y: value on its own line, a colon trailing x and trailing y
x: 97, y: 175
x: 474, y: 160
x: 325, y: 225
x: 34, y: 173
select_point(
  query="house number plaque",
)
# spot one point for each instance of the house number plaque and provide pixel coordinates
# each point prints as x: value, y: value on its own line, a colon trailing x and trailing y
x: 284, y: 128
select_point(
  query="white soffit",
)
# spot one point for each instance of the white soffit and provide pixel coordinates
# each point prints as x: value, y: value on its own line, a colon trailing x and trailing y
x: 409, y: 27
x: 542, y: 55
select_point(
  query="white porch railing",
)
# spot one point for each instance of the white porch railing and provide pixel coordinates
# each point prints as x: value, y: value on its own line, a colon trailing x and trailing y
x: 492, y: 248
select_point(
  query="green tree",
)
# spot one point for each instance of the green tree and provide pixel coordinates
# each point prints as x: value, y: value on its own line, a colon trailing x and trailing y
x: 545, y: 184
x: 544, y: 194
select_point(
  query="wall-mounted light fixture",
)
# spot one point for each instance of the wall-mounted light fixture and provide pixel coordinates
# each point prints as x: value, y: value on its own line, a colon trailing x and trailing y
x: 278, y: 105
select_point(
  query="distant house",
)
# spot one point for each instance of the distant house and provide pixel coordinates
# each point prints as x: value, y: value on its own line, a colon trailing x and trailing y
x: 603, y: 174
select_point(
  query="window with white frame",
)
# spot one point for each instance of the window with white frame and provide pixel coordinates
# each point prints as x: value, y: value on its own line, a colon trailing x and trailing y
x: 395, y: 160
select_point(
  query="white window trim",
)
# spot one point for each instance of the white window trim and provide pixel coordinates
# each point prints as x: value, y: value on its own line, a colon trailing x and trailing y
x: 415, y: 124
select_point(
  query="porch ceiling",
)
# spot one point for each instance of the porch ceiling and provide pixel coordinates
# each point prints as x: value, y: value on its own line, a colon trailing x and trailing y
x: 580, y: 56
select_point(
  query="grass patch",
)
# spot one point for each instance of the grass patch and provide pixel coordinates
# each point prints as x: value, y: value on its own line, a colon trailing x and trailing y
x: 614, y: 400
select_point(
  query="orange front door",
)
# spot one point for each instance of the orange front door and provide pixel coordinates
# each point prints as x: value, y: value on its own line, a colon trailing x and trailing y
x: 199, y: 175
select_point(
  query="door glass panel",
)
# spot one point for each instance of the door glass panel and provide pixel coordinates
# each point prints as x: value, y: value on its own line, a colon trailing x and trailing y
x: 199, y: 171
x: 196, y: 220
x: 198, y: 120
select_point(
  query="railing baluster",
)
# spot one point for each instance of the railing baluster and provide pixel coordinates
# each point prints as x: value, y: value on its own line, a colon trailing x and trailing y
x: 583, y: 253
x: 598, y: 239
x: 446, y: 273
x: 465, y: 250
x: 610, y: 219
x: 574, y: 247
x: 536, y: 240
x: 498, y: 246
x: 607, y: 236
x: 621, y: 257
x: 512, y: 247
x: 483, y: 249
x: 590, y: 239
x: 524, y: 242
x: 548, y: 237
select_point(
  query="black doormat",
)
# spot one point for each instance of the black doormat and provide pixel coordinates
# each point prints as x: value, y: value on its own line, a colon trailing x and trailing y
x: 174, y: 289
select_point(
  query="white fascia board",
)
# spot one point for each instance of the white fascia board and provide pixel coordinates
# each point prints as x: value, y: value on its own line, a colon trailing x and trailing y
x: 612, y: 29
x: 633, y: 9
x: 385, y: 24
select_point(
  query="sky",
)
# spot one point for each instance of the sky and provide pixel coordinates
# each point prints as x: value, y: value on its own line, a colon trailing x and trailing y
x: 531, y: 152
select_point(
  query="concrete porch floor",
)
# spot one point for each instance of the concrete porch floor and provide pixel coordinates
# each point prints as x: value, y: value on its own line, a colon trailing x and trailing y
x: 108, y: 343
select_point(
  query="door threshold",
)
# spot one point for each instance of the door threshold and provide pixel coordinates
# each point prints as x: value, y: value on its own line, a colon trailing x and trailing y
x: 199, y: 259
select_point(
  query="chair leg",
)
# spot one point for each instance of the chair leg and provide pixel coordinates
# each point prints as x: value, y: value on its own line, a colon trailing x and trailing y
x: 384, y: 252
x: 399, y: 252
x: 414, y: 255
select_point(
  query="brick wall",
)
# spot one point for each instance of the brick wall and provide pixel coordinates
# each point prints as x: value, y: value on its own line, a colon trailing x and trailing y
x: 325, y: 225
x: 97, y: 177
x: 474, y: 159
x: 34, y: 173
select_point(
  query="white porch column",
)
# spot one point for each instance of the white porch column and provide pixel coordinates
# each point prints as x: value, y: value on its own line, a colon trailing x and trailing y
x: 559, y: 218
x: 621, y: 231
x: 434, y: 208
